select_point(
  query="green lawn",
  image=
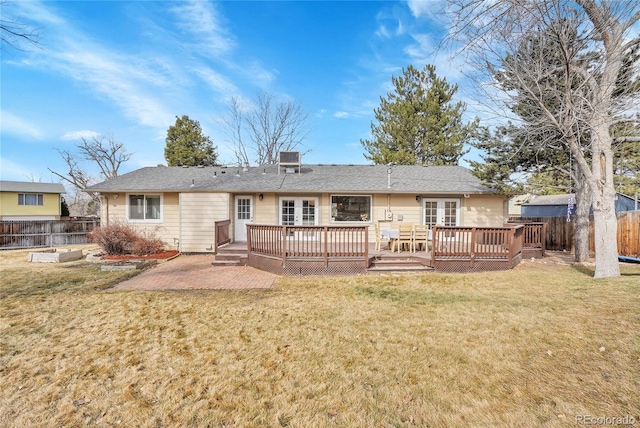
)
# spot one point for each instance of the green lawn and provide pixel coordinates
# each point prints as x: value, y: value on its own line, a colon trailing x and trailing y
x: 536, y: 346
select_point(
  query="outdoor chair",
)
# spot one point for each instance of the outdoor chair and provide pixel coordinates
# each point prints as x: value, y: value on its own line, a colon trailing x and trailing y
x: 421, y: 237
x: 405, y: 236
x: 379, y: 239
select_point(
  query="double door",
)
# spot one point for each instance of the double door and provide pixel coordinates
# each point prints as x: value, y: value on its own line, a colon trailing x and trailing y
x: 441, y: 212
x: 298, y: 211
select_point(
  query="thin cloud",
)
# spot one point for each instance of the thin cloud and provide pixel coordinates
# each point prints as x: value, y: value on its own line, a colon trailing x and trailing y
x: 203, y: 21
x: 341, y: 115
x: 20, y: 127
x: 78, y: 135
x: 10, y: 170
x: 217, y: 82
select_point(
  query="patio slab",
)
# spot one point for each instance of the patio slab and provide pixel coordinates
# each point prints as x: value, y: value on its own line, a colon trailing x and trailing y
x: 195, y: 272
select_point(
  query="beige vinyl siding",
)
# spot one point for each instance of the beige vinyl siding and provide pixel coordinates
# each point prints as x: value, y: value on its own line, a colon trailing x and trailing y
x: 483, y: 211
x: 114, y: 209
x: 266, y: 211
x: 198, y: 214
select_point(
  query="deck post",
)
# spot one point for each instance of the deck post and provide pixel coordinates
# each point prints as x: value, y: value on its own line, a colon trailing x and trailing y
x: 511, y: 239
x: 248, y: 238
x: 472, y: 255
x: 543, y: 238
x: 366, y: 247
x: 284, y: 246
x: 326, y: 246
x: 434, y: 237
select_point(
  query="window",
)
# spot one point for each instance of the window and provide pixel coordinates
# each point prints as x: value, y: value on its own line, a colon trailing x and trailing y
x: 350, y: 208
x: 144, y: 207
x: 30, y: 199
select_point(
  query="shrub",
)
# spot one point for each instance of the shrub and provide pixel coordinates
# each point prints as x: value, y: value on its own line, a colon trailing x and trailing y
x: 147, y: 243
x: 122, y: 238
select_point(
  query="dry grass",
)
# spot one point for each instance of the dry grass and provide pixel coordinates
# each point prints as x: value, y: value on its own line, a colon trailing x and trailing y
x: 535, y: 346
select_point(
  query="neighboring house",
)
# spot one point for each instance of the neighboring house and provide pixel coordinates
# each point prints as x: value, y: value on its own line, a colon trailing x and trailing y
x: 25, y: 200
x: 182, y: 204
x: 515, y: 204
x: 556, y: 205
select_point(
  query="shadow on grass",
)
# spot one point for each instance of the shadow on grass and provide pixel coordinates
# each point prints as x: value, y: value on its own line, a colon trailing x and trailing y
x: 585, y: 270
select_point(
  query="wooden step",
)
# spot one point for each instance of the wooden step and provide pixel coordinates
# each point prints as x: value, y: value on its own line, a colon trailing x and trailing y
x: 399, y: 263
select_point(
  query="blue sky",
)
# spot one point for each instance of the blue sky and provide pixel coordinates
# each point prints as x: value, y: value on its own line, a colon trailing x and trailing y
x: 127, y: 68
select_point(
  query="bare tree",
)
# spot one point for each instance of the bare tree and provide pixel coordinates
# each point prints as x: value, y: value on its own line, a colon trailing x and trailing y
x: 592, y: 42
x: 234, y: 122
x: 13, y: 32
x: 273, y: 126
x: 107, y: 154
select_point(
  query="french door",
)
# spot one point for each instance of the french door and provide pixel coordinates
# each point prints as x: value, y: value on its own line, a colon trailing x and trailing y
x: 441, y: 212
x: 298, y: 211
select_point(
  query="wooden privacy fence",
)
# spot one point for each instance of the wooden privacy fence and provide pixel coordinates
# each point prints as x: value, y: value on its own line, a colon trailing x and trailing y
x: 45, y: 233
x: 308, y: 250
x: 628, y: 234
x: 559, y: 233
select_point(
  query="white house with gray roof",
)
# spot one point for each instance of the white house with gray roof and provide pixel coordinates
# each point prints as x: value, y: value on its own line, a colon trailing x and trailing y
x: 183, y: 204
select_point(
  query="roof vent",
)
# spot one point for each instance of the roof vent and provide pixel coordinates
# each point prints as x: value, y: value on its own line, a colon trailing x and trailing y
x: 289, y: 160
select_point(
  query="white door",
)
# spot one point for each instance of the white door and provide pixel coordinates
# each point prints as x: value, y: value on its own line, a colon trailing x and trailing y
x: 298, y: 211
x: 441, y: 212
x: 244, y: 216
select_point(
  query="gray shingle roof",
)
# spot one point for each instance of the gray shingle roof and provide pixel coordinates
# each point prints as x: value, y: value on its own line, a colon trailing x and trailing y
x: 28, y: 186
x: 550, y: 200
x: 314, y: 178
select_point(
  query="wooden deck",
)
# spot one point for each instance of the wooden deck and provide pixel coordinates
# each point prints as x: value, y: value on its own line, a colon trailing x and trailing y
x: 335, y: 250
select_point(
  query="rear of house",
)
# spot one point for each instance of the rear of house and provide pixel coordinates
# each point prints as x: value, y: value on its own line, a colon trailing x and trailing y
x: 185, y: 206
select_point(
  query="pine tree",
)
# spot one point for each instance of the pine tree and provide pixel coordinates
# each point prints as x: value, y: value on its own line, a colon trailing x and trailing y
x: 419, y: 123
x: 187, y: 145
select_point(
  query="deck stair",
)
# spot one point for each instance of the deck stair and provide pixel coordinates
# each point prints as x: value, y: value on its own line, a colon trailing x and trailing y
x: 231, y: 255
x: 399, y: 263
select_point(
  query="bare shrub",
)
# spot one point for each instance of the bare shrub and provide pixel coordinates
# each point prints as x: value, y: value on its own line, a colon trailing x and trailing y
x: 147, y: 243
x: 121, y: 238
x: 114, y: 238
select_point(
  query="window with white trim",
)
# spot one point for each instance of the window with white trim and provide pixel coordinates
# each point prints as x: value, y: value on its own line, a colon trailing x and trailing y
x: 352, y: 208
x: 145, y: 207
x: 30, y: 199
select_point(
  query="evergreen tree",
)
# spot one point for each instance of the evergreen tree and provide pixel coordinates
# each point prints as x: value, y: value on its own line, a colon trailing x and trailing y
x: 419, y: 123
x: 187, y: 145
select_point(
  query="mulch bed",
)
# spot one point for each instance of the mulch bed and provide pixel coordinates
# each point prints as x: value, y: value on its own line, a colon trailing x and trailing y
x: 158, y: 256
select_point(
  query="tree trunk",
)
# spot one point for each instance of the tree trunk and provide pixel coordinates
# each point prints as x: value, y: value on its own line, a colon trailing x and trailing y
x: 604, y: 210
x: 581, y: 229
x: 606, y: 226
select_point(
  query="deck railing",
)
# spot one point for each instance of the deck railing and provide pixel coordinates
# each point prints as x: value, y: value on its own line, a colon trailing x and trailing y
x: 473, y: 244
x: 534, y: 238
x: 222, y: 233
x: 311, y: 243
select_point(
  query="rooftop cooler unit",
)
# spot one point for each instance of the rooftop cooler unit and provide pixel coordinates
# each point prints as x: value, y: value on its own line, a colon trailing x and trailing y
x: 290, y: 161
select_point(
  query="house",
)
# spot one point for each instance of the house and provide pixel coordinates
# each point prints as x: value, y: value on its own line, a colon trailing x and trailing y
x: 515, y: 204
x: 183, y: 205
x: 24, y: 200
x: 556, y: 205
